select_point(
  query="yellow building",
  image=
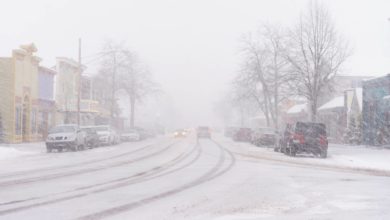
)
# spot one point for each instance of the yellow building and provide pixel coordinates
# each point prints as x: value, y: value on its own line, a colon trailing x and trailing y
x: 19, y: 96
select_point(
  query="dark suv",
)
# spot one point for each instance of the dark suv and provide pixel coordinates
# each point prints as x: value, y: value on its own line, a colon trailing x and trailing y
x: 304, y: 137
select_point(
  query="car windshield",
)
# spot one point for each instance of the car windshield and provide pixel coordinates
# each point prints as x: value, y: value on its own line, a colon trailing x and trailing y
x: 62, y: 129
x: 314, y: 129
x: 102, y: 129
x: 265, y: 130
x: 89, y: 130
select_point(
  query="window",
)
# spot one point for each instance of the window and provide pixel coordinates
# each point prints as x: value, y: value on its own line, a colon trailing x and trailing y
x: 18, y: 117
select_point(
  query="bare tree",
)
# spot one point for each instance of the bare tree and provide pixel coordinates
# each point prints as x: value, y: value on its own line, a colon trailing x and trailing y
x: 316, y: 53
x: 111, y: 57
x: 263, y: 75
x: 136, y: 81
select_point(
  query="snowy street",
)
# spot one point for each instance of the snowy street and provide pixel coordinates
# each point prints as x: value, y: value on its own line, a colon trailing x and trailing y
x: 166, y: 178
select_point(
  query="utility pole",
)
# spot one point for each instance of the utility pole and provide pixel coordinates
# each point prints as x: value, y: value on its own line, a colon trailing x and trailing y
x: 79, y: 85
x: 113, y: 90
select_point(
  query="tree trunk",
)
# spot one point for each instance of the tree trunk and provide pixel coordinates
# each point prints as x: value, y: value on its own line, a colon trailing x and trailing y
x: 132, y: 111
x: 266, y: 110
x: 313, y: 110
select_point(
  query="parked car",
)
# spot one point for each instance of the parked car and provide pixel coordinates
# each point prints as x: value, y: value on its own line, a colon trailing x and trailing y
x: 229, y: 131
x: 203, y: 132
x: 68, y: 136
x: 107, y: 136
x: 263, y: 136
x: 180, y: 133
x: 243, y: 134
x: 130, y: 135
x: 91, y: 136
x: 304, y: 137
x: 143, y: 134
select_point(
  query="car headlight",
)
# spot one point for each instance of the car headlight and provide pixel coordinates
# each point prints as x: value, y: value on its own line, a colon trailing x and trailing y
x: 50, y: 138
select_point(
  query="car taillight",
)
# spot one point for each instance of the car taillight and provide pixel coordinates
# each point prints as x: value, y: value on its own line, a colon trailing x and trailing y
x: 299, y: 138
x: 323, y: 140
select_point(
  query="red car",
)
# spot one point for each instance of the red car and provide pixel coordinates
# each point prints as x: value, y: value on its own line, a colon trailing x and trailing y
x: 243, y: 134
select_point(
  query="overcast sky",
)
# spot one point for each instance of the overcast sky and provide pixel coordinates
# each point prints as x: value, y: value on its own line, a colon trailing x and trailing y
x: 190, y: 46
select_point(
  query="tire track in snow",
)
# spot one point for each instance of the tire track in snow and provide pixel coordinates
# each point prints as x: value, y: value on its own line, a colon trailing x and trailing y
x: 82, y: 171
x: 208, y: 176
x: 29, y: 172
x: 122, y: 182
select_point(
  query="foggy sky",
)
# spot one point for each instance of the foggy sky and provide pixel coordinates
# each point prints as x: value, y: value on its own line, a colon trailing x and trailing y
x: 190, y: 46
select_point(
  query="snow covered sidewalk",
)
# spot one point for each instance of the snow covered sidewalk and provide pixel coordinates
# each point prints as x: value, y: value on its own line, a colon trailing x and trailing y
x: 10, y: 151
x: 359, y: 158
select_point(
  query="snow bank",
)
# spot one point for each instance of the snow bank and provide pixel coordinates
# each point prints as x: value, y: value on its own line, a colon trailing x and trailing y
x: 361, y: 158
x: 10, y: 152
x: 16, y: 150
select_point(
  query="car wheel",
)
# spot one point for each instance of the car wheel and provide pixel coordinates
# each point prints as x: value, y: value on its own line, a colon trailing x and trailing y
x: 287, y: 150
x: 48, y: 149
x: 80, y: 147
x: 60, y: 149
x: 74, y: 147
x: 323, y: 154
x: 293, y: 151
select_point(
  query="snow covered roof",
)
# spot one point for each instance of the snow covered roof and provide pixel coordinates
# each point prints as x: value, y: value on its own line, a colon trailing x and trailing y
x: 334, y: 103
x: 297, y: 108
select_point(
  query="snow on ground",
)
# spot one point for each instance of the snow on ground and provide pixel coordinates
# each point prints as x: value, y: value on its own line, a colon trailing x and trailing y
x: 267, y: 185
x: 9, y: 151
x: 360, y: 156
x: 339, y: 156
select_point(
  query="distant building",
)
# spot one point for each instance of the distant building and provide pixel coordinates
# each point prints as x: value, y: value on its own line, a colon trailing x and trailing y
x: 297, y: 112
x: 332, y: 114
x: 376, y: 111
x: 19, y: 95
x: 68, y: 79
x: 47, y: 108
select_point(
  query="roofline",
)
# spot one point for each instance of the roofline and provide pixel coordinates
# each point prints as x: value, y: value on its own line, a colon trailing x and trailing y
x: 49, y: 70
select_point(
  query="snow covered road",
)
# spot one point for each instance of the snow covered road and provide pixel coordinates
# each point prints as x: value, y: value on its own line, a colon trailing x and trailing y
x: 165, y: 178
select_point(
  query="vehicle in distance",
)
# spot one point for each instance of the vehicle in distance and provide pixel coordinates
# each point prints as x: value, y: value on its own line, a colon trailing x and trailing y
x: 130, y: 135
x: 91, y: 136
x: 263, y: 136
x: 180, y: 133
x: 304, y: 137
x: 229, y: 131
x: 243, y: 134
x: 68, y: 136
x: 203, y: 132
x: 107, y: 136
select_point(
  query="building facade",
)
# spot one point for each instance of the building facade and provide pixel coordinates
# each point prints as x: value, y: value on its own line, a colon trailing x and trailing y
x: 376, y: 111
x: 47, y: 108
x: 19, y: 95
x: 67, y: 92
